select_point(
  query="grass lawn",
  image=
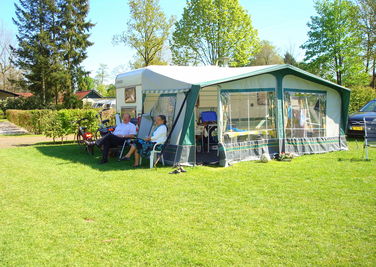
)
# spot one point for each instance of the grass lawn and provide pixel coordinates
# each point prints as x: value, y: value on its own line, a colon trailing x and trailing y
x: 59, y: 207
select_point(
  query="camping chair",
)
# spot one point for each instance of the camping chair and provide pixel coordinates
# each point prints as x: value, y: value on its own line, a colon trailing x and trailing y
x: 210, y: 120
x: 157, y: 149
x: 369, y: 134
x: 143, y: 131
x: 208, y: 116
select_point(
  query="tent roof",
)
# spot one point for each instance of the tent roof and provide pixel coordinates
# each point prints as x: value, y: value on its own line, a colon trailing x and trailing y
x: 164, y: 79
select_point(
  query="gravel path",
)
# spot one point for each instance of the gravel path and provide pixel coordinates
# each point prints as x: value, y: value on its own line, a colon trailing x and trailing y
x: 7, y: 127
x: 12, y: 135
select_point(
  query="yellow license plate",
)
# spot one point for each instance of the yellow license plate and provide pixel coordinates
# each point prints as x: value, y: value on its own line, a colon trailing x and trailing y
x: 357, y: 128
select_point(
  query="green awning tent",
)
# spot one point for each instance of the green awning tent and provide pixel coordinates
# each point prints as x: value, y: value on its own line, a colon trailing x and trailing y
x: 260, y: 109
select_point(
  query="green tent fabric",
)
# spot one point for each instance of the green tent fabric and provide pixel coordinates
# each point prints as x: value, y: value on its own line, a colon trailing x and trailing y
x: 192, y: 80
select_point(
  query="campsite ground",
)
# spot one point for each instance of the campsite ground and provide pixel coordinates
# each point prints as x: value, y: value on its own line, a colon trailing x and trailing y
x: 59, y: 207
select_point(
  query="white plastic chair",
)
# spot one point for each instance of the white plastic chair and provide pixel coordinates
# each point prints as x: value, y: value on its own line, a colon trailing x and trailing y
x: 153, y: 155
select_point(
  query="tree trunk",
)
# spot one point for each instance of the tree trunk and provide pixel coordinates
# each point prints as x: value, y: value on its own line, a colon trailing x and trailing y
x: 43, y: 89
x: 373, y: 82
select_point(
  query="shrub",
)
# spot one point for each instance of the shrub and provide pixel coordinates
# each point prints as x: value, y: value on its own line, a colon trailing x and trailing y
x: 359, y: 97
x: 53, y: 123
x: 28, y: 103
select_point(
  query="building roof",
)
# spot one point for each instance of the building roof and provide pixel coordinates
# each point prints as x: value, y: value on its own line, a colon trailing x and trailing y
x: 27, y: 94
x: 8, y: 93
x: 182, y: 78
x: 87, y: 94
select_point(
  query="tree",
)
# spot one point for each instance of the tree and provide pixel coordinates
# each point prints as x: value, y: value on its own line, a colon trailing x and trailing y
x: 367, y: 17
x: 5, y: 63
x: 74, y: 38
x: 147, y: 32
x: 52, y: 40
x: 210, y: 30
x: 102, y: 74
x: 36, y: 51
x: 267, y: 55
x: 334, y: 42
x: 86, y: 83
x: 290, y: 59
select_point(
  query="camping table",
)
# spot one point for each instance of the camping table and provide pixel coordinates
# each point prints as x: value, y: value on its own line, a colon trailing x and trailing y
x: 232, y: 134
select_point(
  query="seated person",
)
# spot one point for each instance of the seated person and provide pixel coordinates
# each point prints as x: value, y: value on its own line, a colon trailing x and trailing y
x: 123, y: 131
x: 144, y: 146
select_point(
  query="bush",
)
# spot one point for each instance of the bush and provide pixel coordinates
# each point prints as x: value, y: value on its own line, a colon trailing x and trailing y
x: 53, y: 123
x: 34, y: 102
x: 359, y: 97
x: 28, y: 103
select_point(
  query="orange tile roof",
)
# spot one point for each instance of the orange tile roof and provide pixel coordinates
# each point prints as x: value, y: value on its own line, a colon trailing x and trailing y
x: 82, y: 94
x: 25, y: 94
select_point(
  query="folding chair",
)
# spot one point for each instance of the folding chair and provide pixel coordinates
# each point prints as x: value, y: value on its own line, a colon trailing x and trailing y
x: 369, y: 134
x: 144, y: 131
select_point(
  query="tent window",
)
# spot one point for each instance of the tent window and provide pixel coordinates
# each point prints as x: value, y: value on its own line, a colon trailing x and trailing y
x: 305, y: 114
x: 161, y: 104
x: 248, y: 115
x: 149, y: 101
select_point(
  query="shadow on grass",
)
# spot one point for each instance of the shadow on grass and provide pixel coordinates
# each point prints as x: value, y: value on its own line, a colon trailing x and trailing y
x: 354, y: 160
x: 46, y: 143
x: 77, y: 154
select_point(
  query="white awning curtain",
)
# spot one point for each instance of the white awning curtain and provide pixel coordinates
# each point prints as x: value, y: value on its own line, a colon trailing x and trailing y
x: 177, y: 78
x: 168, y: 91
x: 181, y: 78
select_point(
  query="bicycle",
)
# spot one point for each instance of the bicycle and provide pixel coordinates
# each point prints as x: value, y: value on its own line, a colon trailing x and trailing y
x: 83, y: 136
x: 103, y: 128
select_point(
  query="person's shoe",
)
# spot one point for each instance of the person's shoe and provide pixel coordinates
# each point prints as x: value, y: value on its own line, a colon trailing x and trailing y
x: 177, y: 171
x: 182, y: 170
x: 125, y: 158
x: 103, y: 161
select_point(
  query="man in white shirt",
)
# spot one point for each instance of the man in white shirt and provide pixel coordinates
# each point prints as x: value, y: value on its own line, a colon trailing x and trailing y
x: 123, y: 131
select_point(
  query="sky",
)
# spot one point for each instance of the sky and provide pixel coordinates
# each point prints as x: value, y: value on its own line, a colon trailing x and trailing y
x: 282, y: 22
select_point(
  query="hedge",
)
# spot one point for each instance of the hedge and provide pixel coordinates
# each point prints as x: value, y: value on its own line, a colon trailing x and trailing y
x: 53, y: 123
x: 360, y: 96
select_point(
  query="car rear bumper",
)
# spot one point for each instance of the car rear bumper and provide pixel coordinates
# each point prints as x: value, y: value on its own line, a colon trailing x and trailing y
x: 355, y: 133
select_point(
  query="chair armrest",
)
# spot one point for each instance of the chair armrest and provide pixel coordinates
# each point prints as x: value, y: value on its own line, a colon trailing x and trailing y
x: 157, y: 144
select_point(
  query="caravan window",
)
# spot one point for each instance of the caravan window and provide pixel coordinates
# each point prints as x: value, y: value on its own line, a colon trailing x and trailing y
x: 130, y: 95
x: 248, y: 115
x: 130, y: 110
x: 305, y: 113
x: 160, y: 104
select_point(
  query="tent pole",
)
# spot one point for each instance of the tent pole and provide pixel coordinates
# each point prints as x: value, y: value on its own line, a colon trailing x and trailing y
x: 219, y: 115
x: 248, y: 124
